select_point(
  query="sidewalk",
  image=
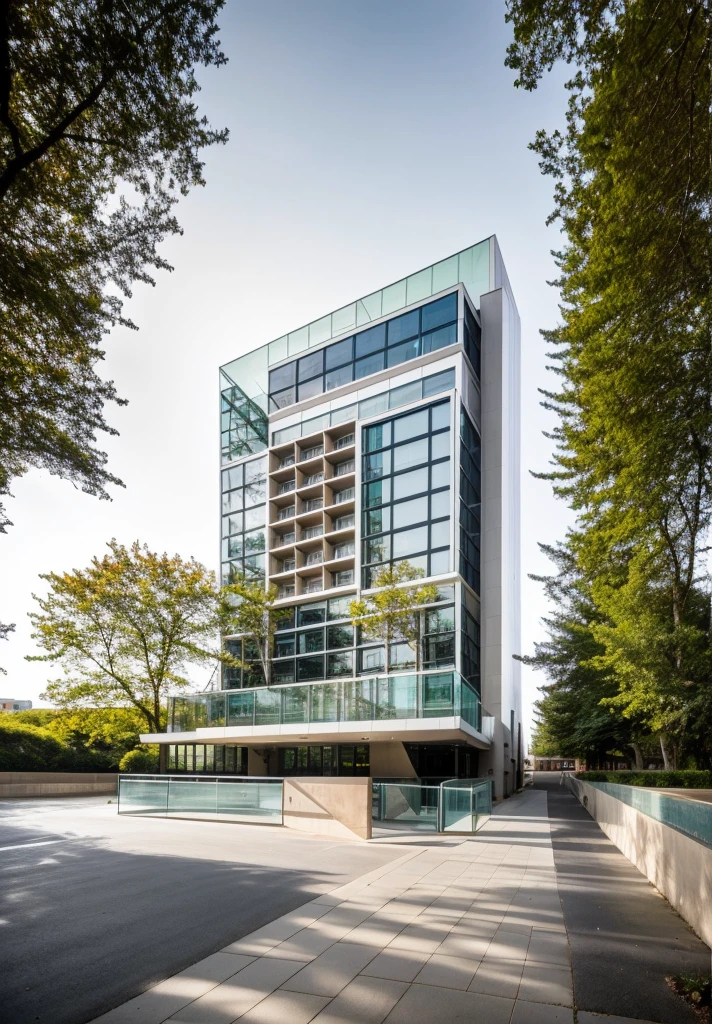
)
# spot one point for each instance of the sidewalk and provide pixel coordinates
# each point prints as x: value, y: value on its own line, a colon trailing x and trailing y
x: 457, y: 929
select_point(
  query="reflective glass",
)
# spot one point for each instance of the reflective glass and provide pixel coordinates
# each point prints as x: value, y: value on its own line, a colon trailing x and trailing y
x: 232, y: 547
x: 405, y: 394
x: 340, y: 607
x: 372, y: 660
x: 401, y: 656
x: 283, y: 671
x: 409, y: 542
x: 377, y: 465
x: 340, y: 353
x: 232, y: 478
x: 339, y: 664
x: 311, y: 641
x: 339, y: 636
x: 377, y: 549
x: 440, y: 445
x: 309, y: 614
x: 379, y: 493
x: 402, y: 353
x: 294, y: 704
x: 440, y: 533
x: 393, y: 297
x: 438, y: 382
x: 443, y: 311
x: 372, y: 406
x: 410, y: 483
x: 441, y: 338
x: 440, y: 416
x: 440, y: 474
x: 403, y: 327
x: 282, y: 377
x: 232, y: 524
x: 255, y: 471
x: 254, y: 517
x: 284, y: 646
x: 371, y: 340
x: 378, y: 521
x: 413, y: 454
x: 337, y: 378
x: 324, y: 701
x: 311, y: 389
x: 439, y: 562
x: 405, y: 427
x: 407, y: 512
x: 310, y: 668
x: 378, y: 436
x: 311, y: 365
x: 439, y: 620
x: 281, y: 399
x: 254, y: 542
x: 369, y: 365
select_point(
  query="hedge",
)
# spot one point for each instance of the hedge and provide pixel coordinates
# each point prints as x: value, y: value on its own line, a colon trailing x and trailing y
x: 142, y: 761
x: 673, y: 779
x: 27, y: 748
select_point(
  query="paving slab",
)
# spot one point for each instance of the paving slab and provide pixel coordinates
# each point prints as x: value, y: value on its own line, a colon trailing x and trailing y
x: 363, y: 1001
x: 426, y: 1004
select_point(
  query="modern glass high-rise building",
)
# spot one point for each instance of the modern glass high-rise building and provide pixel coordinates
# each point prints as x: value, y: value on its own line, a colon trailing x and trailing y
x: 383, y: 432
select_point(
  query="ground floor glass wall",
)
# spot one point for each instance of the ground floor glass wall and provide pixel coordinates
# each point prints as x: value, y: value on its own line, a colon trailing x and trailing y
x: 211, y: 758
x: 343, y: 759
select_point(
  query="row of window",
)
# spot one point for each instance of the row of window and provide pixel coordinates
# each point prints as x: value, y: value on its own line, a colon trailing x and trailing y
x: 404, y: 394
x: 423, y: 330
x: 344, y: 759
x: 208, y: 758
x: 469, y: 502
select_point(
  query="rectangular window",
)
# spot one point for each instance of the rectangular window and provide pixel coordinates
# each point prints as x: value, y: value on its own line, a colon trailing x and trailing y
x: 339, y: 636
x: 378, y: 493
x: 310, y: 668
x: 440, y: 416
x: 339, y: 607
x: 340, y: 353
x: 410, y: 542
x: 339, y: 664
x: 377, y: 550
x: 403, y: 327
x: 440, y: 534
x: 310, y: 614
x: 378, y: 465
x: 311, y: 365
x: 440, y: 446
x: 372, y: 659
x: 370, y: 341
x: 371, y: 364
x: 337, y: 378
x: 408, y: 455
x: 439, y: 339
x: 311, y: 641
x: 413, y: 425
x: 414, y: 482
x: 377, y: 521
x: 377, y: 437
x: 311, y: 389
x: 443, y: 311
x: 403, y: 353
x: 440, y: 475
x: 439, y: 562
x: 282, y: 377
x: 284, y: 646
x: 407, y: 513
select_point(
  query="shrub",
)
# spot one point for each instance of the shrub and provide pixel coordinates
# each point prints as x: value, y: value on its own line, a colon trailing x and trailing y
x: 684, y: 779
x: 143, y: 760
x: 29, y: 748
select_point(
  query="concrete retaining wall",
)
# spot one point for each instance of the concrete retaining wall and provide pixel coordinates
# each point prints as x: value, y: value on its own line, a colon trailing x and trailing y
x: 329, y: 807
x: 681, y: 868
x: 15, y: 784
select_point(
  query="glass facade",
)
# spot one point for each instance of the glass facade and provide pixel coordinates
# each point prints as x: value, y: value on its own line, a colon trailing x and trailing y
x: 418, y: 332
x: 393, y: 398
x: 338, y: 759
x: 470, y: 497
x: 244, y: 511
x: 406, y: 494
x: 208, y: 758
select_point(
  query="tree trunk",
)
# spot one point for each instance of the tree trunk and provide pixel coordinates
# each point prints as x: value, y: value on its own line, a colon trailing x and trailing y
x: 663, y: 748
x: 635, y: 747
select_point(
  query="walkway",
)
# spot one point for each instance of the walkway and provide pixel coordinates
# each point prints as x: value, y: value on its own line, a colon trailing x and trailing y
x: 454, y: 930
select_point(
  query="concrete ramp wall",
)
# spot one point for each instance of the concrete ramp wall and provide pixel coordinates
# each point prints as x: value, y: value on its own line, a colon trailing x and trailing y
x: 680, y: 867
x: 330, y: 807
x: 18, y: 784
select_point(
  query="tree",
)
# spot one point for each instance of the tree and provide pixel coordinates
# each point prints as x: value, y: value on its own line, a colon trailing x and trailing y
x: 392, y: 615
x: 252, y: 617
x: 99, y: 136
x: 126, y: 629
x: 633, y: 351
x: 111, y: 731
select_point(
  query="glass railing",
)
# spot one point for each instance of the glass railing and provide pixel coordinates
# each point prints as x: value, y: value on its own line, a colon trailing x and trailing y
x: 456, y: 805
x: 214, y: 798
x: 691, y: 817
x: 423, y: 695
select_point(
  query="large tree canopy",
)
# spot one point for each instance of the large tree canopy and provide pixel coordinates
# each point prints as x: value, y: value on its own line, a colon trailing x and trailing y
x: 99, y: 136
x: 633, y: 350
x: 126, y: 629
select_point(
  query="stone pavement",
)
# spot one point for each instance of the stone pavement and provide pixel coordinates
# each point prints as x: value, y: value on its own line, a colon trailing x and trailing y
x: 457, y: 929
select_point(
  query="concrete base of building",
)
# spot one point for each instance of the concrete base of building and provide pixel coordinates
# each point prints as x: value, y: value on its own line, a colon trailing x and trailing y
x: 28, y: 784
x: 328, y: 807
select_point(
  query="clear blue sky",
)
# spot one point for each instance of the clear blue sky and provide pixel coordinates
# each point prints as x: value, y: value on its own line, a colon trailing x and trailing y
x: 366, y: 141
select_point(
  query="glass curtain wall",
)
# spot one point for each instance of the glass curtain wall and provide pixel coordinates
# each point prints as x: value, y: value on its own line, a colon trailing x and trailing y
x: 244, y: 495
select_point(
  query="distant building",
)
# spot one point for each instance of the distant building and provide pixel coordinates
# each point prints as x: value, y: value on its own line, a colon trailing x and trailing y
x: 9, y: 704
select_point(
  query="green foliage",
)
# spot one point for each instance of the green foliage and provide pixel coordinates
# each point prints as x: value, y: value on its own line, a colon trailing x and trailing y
x: 99, y: 137
x: 674, y: 779
x: 142, y: 761
x: 392, y: 615
x: 110, y: 731
x: 249, y: 611
x: 633, y: 351
x: 125, y: 630
x: 29, y: 748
